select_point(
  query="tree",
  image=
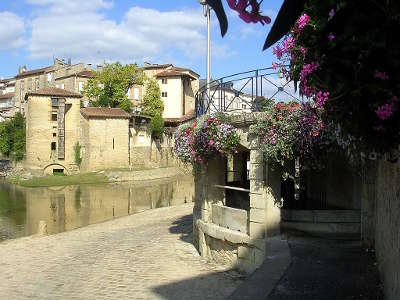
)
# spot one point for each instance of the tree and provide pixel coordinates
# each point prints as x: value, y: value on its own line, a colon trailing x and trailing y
x: 12, y: 138
x: 109, y: 86
x: 152, y: 104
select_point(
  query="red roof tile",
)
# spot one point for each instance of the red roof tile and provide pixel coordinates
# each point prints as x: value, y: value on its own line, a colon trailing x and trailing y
x: 177, y: 121
x: 6, y: 96
x: 104, y: 112
x: 52, y: 91
x: 35, y: 72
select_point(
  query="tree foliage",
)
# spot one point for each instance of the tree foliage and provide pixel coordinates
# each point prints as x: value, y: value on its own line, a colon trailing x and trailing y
x: 12, y: 138
x: 157, y: 126
x: 110, y: 85
x: 152, y: 104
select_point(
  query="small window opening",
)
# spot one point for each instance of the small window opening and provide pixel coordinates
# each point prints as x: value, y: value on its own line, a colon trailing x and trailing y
x: 54, y: 117
x: 54, y: 134
x: 164, y: 81
x: 53, y: 146
x: 58, y: 171
x: 164, y: 94
x: 113, y: 144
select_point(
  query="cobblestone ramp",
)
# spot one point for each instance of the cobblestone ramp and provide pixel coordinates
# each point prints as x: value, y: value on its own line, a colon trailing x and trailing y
x: 143, y: 256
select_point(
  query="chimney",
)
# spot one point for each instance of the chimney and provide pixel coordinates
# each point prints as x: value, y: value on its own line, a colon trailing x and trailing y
x: 89, y: 67
x: 69, y: 61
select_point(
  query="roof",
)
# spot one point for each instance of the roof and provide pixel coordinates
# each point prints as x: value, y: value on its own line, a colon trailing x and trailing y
x: 104, y: 112
x: 6, y: 96
x: 84, y: 74
x: 156, y: 66
x: 54, y: 92
x: 175, y: 72
x: 7, y: 80
x: 177, y: 121
x: 35, y: 72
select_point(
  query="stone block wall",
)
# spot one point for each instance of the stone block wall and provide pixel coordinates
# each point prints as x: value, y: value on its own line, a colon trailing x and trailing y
x: 387, y: 229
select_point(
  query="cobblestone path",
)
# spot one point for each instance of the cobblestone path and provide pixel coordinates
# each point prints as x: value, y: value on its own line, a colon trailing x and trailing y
x: 142, y: 256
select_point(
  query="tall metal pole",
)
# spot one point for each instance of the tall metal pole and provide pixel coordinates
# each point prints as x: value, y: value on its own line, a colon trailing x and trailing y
x: 208, y: 16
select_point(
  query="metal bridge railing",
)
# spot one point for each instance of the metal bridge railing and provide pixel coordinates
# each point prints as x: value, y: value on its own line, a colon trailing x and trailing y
x: 244, y: 92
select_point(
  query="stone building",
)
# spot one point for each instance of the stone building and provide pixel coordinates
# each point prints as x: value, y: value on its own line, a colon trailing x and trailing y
x: 7, y: 102
x: 33, y: 80
x: 178, y: 89
x: 75, y: 82
x: 105, y: 138
x: 52, y: 130
x: 7, y: 86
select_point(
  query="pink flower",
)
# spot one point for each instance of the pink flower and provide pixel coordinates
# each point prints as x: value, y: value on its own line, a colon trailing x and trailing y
x: 303, y: 51
x: 331, y: 36
x: 381, y: 75
x: 274, y: 65
x: 385, y: 111
x: 252, y: 16
x: 278, y: 51
x: 303, y: 21
x: 331, y: 13
x: 322, y: 98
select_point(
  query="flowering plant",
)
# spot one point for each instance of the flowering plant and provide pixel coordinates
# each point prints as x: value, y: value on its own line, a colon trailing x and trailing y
x: 339, y: 53
x: 205, y: 139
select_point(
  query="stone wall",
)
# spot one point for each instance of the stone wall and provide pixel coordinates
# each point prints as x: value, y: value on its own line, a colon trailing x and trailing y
x: 105, y: 143
x: 387, y: 230
x: 41, y: 132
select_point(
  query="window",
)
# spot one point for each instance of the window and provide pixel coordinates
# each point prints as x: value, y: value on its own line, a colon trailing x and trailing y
x: 49, y: 77
x: 62, y: 86
x: 58, y: 171
x: 54, y: 116
x: 54, y: 102
x: 54, y: 134
x: 136, y: 93
x: 29, y: 84
x: 80, y: 86
x: 37, y: 83
x: 164, y: 94
x: 53, y: 146
x: 164, y: 81
x: 244, y: 106
x: 113, y: 144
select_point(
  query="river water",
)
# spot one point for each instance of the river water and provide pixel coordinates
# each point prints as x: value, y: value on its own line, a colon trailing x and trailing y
x: 69, y: 207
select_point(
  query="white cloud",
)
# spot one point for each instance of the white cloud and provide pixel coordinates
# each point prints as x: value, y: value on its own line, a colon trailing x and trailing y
x: 79, y: 29
x: 12, y: 30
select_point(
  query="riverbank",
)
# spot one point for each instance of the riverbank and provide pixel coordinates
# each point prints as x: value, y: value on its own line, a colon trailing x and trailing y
x: 101, y: 177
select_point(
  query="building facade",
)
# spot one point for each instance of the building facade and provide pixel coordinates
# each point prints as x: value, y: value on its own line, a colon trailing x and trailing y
x: 178, y: 89
x: 52, y: 130
x: 28, y: 81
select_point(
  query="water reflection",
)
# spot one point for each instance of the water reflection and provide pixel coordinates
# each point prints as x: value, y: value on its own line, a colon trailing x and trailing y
x: 69, y: 207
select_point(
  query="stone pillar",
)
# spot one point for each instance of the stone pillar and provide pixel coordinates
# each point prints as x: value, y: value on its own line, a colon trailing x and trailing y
x: 257, y: 213
x: 272, y: 194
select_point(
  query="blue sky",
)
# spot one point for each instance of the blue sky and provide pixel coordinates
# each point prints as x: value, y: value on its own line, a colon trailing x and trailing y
x: 158, y: 31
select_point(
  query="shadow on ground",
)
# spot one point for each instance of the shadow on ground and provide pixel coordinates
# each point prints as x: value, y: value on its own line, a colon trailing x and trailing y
x: 184, y: 227
x: 328, y: 269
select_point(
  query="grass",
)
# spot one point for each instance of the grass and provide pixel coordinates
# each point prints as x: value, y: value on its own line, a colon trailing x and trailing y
x: 58, y: 180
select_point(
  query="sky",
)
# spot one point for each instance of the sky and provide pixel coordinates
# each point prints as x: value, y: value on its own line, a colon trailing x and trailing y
x: 32, y: 32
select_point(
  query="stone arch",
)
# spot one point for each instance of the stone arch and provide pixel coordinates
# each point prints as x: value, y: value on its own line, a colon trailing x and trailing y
x: 48, y: 170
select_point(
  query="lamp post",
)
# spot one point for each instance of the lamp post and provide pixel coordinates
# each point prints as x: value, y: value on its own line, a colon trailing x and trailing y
x: 207, y: 14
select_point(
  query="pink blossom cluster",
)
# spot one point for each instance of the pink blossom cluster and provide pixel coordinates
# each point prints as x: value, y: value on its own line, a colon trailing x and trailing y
x: 381, y: 75
x: 321, y: 98
x: 385, y: 111
x: 252, y: 16
x: 303, y: 21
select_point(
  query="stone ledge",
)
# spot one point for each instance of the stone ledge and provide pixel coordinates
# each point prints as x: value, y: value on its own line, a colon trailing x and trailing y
x: 222, y: 233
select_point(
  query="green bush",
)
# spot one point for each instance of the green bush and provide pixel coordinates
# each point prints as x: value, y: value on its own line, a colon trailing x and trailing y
x: 156, y: 127
x: 12, y: 138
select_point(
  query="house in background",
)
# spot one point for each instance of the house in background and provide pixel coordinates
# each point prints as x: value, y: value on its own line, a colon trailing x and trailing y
x: 226, y: 98
x: 28, y: 81
x: 178, y: 89
x: 7, y: 86
x: 7, y: 103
